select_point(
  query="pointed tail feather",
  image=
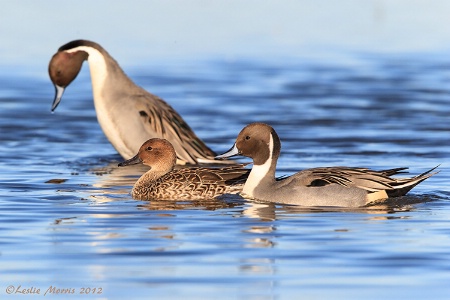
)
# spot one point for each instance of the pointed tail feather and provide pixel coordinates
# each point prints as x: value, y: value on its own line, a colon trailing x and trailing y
x: 406, y: 184
x: 391, y: 172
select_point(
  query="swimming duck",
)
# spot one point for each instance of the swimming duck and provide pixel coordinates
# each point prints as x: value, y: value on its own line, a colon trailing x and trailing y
x: 162, y: 182
x: 128, y: 114
x: 330, y: 186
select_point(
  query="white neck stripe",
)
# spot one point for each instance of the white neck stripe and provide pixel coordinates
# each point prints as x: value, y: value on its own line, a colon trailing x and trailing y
x: 258, y: 172
x: 97, y: 67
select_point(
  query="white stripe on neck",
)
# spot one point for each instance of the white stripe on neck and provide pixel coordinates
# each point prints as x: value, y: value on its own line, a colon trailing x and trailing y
x: 97, y: 67
x: 258, y: 173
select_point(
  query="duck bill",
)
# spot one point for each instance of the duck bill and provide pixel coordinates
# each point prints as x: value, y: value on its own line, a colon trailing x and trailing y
x: 232, y: 152
x: 59, y: 91
x: 132, y: 161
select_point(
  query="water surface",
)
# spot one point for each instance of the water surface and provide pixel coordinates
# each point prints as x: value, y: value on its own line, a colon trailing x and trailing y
x: 67, y: 219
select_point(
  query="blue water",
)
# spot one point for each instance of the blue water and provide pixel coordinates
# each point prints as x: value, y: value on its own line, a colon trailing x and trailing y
x: 67, y: 220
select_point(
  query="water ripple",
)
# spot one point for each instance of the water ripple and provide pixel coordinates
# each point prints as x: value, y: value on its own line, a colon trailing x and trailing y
x: 66, y: 203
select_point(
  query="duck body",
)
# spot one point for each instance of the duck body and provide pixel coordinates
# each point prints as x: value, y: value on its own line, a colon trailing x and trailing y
x: 162, y: 182
x: 191, y: 184
x: 332, y: 186
x: 329, y: 186
x: 127, y: 114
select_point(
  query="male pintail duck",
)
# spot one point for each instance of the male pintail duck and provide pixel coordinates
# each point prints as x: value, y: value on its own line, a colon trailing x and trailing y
x: 128, y: 114
x: 162, y: 182
x: 332, y: 186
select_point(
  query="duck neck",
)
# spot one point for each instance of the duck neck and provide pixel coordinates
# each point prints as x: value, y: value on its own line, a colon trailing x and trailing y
x: 263, y: 173
x: 105, y: 73
x: 108, y: 81
x: 97, y: 68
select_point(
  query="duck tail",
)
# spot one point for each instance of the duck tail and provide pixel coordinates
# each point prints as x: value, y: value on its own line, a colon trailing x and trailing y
x: 391, y: 172
x: 404, y: 185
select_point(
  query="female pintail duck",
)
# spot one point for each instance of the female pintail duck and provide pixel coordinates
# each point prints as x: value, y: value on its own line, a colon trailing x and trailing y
x: 332, y: 186
x: 162, y: 182
x: 128, y: 114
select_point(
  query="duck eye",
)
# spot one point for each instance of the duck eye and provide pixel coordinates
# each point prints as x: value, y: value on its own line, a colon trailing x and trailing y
x: 149, y: 148
x: 247, y: 137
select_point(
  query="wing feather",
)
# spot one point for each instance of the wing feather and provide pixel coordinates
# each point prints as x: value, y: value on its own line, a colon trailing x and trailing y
x: 161, y: 120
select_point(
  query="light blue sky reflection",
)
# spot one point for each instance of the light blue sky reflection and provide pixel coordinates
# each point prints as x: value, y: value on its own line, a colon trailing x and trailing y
x: 30, y: 31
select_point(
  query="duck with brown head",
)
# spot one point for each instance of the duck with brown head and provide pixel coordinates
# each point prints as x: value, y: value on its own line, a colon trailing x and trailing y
x: 329, y: 186
x: 162, y: 182
x: 128, y: 114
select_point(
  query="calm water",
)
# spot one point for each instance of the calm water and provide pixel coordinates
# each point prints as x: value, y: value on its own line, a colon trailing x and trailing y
x: 67, y: 220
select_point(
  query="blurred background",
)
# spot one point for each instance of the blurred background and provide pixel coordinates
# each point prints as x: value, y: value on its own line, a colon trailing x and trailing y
x: 136, y: 31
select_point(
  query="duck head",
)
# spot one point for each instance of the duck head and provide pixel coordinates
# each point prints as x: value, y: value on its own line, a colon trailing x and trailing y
x: 158, y: 154
x: 64, y: 68
x: 254, y: 141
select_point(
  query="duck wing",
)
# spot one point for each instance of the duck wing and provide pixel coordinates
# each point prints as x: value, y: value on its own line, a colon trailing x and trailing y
x: 204, y: 183
x: 224, y: 178
x: 363, y: 178
x: 161, y: 120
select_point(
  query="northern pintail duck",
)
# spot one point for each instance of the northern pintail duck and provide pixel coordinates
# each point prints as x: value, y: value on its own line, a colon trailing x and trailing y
x: 163, y: 182
x: 330, y: 186
x: 128, y: 114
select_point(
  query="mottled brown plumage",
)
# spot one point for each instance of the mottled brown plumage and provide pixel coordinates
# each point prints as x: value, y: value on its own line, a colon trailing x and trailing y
x: 162, y: 182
